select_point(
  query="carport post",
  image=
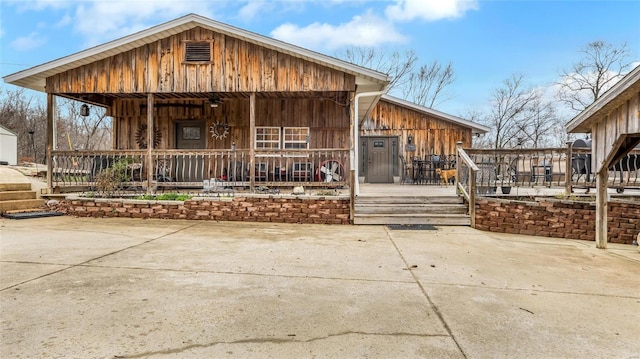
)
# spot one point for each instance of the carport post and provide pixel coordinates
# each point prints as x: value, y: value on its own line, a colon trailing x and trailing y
x: 567, y: 168
x: 150, y: 137
x: 51, y: 104
x: 601, y: 207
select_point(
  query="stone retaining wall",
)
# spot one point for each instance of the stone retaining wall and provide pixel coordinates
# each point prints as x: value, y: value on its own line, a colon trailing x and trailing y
x: 557, y: 218
x: 259, y: 208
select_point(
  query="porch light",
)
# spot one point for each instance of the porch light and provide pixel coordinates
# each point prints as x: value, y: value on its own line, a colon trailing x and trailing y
x: 215, y: 101
x: 409, y: 139
x: 84, y: 110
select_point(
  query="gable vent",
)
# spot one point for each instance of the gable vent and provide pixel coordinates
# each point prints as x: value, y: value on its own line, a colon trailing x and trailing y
x: 197, y: 51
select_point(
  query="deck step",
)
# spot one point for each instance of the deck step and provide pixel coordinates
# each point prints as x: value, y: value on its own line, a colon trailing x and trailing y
x: 432, y: 208
x: 4, y: 187
x: 17, y: 195
x: 21, y: 204
x: 441, y: 219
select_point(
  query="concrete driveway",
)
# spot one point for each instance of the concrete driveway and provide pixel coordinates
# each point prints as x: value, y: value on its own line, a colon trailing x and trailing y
x: 122, y: 288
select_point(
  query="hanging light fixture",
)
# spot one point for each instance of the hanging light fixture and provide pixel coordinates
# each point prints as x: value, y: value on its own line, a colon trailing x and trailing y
x: 84, y: 110
x: 215, y: 101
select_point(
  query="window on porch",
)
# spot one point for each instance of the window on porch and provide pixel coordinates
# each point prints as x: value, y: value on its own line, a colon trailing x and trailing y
x: 290, y: 138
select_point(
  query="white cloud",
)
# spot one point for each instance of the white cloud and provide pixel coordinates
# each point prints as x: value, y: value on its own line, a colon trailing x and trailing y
x: 362, y: 30
x: 251, y: 9
x: 430, y: 10
x: 29, y: 42
x: 66, y: 20
x: 99, y: 21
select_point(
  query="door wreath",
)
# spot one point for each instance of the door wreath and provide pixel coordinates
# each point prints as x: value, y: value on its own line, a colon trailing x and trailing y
x: 219, y: 130
x: 141, y: 136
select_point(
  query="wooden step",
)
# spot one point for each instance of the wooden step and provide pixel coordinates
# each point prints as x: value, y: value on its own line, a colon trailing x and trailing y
x: 4, y: 187
x: 408, y: 200
x: 21, y: 204
x: 434, y: 219
x: 432, y: 208
x: 16, y: 195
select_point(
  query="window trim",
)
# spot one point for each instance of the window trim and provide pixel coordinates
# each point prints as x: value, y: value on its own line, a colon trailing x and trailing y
x: 278, y: 141
x: 304, y: 141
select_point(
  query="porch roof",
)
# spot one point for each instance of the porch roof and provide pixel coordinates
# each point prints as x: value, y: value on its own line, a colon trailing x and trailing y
x: 35, y: 77
x: 475, y: 127
x: 612, y: 98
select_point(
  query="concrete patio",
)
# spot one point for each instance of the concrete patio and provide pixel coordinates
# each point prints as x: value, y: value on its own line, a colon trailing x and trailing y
x: 122, y: 288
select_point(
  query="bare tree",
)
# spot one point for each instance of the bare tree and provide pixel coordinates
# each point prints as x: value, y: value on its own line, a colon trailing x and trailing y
x: 23, y: 114
x: 91, y: 132
x: 510, y: 104
x: 395, y: 64
x: 601, y: 66
x: 537, y: 123
x: 427, y: 85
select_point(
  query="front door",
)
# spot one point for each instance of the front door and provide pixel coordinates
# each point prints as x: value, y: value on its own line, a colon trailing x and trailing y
x: 190, y: 135
x: 379, y: 160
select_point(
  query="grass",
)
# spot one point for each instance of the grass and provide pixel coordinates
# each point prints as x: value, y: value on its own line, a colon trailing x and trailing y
x: 165, y: 197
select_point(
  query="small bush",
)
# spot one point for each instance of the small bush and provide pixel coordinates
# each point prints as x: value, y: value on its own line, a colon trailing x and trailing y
x: 166, y: 197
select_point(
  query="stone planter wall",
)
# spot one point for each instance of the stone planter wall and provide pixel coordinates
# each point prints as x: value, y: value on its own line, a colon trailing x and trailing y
x: 557, y: 218
x: 258, y: 208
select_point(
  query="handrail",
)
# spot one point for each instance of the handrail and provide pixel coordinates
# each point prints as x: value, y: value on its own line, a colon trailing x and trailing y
x: 473, y: 169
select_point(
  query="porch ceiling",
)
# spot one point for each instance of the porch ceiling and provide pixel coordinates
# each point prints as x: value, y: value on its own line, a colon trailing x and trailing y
x: 107, y: 99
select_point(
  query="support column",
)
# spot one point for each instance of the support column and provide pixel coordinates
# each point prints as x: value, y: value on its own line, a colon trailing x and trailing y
x: 150, y: 136
x: 252, y: 140
x: 601, y: 207
x: 568, y: 168
x: 50, y: 139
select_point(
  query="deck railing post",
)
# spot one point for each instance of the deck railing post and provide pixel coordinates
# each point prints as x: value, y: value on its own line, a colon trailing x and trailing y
x: 150, y: 137
x: 567, y: 171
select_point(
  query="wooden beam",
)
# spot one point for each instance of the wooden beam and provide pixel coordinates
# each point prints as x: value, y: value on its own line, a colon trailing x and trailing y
x: 252, y: 138
x: 50, y: 140
x: 567, y: 169
x: 601, y: 208
x: 150, y: 137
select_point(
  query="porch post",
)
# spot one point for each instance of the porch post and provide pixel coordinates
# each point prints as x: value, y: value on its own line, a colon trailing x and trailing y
x: 601, y: 207
x: 150, y: 136
x: 50, y: 123
x: 252, y: 135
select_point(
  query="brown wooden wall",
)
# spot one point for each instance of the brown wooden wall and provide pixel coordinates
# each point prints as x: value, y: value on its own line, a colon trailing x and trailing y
x: 237, y: 66
x: 622, y: 120
x: 431, y: 135
x: 328, y: 121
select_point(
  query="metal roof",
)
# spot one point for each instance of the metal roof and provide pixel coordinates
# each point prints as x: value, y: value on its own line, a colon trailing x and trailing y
x: 475, y: 127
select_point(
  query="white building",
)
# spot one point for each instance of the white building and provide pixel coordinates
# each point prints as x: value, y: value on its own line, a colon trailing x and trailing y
x: 8, y: 147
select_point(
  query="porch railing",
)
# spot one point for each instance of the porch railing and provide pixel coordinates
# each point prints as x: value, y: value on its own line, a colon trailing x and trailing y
x: 466, y: 180
x: 202, y: 169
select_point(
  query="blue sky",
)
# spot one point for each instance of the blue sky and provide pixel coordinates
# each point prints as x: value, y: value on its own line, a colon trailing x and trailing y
x: 487, y: 41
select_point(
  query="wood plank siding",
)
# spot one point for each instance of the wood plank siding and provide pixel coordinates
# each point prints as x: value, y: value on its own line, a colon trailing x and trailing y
x: 431, y: 135
x: 622, y: 120
x: 235, y: 66
x: 328, y: 120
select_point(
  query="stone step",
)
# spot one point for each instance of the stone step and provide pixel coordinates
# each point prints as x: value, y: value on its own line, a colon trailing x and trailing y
x: 21, y: 204
x: 431, y: 208
x: 4, y: 187
x: 434, y: 219
x: 16, y: 195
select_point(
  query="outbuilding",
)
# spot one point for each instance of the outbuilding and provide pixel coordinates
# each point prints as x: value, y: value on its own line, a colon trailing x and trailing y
x: 8, y: 147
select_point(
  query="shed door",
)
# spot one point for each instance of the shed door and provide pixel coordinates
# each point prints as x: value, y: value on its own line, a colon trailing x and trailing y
x: 191, y: 135
x: 379, y: 160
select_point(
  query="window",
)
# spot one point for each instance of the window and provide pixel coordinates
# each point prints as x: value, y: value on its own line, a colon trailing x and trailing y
x: 197, y: 51
x: 289, y: 138
x: 296, y: 138
x: 268, y: 138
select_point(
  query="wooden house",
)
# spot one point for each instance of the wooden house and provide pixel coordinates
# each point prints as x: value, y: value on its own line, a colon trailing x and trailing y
x: 613, y: 121
x: 195, y: 102
x: 398, y: 131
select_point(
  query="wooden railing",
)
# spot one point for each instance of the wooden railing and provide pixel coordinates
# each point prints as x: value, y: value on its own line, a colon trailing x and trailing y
x: 549, y: 167
x: 466, y: 180
x: 202, y: 169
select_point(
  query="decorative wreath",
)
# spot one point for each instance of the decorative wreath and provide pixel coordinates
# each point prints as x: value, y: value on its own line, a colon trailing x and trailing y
x: 219, y: 130
x: 141, y: 136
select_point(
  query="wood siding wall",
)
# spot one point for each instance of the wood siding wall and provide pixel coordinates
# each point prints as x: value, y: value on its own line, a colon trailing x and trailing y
x: 431, y: 135
x: 236, y: 66
x: 328, y: 121
x: 623, y: 120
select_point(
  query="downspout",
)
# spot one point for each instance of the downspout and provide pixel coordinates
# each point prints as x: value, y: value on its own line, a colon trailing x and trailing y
x: 356, y: 137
